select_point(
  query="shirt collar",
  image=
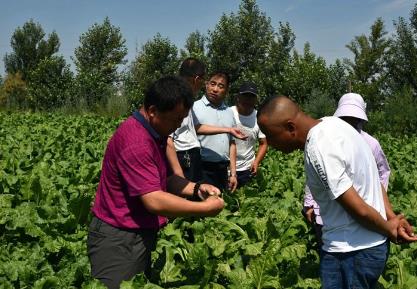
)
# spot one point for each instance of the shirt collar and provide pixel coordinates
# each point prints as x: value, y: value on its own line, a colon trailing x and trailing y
x: 208, y: 103
x: 142, y: 120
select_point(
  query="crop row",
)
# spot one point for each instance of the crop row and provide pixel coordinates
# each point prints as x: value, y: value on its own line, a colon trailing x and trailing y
x: 49, y: 170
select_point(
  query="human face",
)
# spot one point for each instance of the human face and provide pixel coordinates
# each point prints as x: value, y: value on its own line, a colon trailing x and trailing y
x: 246, y: 103
x: 216, y: 89
x: 280, y: 137
x: 167, y: 122
x: 357, y: 123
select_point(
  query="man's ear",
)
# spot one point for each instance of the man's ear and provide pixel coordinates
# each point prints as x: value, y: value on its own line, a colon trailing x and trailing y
x: 152, y: 110
x: 290, y: 126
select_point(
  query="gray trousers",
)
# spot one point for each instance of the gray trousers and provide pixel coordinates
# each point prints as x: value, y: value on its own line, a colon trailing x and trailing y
x: 116, y: 254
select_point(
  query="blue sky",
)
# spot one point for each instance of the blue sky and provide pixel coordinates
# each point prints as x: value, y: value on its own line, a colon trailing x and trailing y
x: 327, y: 24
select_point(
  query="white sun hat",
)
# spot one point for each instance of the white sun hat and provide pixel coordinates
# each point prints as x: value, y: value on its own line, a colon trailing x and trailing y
x: 353, y: 105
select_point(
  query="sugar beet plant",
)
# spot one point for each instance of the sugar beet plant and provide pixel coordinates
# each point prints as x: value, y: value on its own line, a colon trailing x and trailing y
x: 49, y: 168
x: 49, y: 171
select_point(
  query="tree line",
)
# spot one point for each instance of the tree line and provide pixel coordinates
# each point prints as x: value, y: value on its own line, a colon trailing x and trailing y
x: 383, y: 68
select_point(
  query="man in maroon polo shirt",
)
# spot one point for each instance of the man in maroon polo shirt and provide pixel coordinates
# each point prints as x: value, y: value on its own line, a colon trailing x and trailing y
x: 136, y: 191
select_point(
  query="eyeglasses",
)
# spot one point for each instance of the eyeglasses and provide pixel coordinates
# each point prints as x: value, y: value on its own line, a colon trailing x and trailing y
x: 201, y: 77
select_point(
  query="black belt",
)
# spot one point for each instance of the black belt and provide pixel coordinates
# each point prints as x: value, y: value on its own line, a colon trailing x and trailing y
x: 190, y: 150
x: 193, y: 150
x: 215, y: 165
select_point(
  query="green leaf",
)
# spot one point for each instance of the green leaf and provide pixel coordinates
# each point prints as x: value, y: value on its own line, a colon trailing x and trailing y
x: 254, y: 249
x: 171, y: 272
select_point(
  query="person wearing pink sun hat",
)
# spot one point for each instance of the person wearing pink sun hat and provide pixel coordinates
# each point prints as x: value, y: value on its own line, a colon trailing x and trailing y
x: 341, y: 172
x: 352, y: 109
x: 352, y: 105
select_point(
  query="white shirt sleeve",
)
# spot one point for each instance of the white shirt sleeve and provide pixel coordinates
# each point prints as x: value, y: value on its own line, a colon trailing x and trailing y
x: 327, y: 159
x: 194, y: 115
x: 260, y: 134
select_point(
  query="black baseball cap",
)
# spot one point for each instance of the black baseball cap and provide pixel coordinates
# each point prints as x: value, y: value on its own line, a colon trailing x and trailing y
x: 248, y: 87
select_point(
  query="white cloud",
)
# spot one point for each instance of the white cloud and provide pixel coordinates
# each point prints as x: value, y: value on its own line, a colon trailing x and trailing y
x: 289, y: 8
x: 395, y: 5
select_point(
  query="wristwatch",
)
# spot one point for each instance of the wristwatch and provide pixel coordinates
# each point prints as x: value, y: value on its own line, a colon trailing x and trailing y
x: 196, y: 189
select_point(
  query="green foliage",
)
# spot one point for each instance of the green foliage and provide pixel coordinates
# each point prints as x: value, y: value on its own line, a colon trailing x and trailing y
x: 399, y: 113
x: 102, y: 50
x: 243, y: 43
x: 307, y: 73
x: 195, y: 46
x: 279, y: 60
x: 402, y: 59
x: 29, y: 48
x: 240, y: 43
x: 158, y: 57
x: 50, y: 83
x: 49, y: 171
x: 91, y: 89
x: 319, y: 104
x: 338, y: 80
x: 45, y: 75
x: 368, y: 68
x: 13, y: 92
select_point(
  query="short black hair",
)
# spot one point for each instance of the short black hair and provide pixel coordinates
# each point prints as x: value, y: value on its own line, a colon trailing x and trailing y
x: 167, y: 92
x: 191, y: 67
x: 221, y: 73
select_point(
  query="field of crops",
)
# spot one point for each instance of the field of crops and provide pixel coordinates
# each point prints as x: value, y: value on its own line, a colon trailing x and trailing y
x: 49, y: 170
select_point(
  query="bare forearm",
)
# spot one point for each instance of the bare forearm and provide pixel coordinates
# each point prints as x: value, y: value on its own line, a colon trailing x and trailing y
x: 233, y: 153
x: 180, y: 186
x: 169, y: 205
x: 373, y: 221
x: 262, y: 149
x: 364, y: 214
x: 388, y: 208
x: 173, y: 159
x: 209, y: 129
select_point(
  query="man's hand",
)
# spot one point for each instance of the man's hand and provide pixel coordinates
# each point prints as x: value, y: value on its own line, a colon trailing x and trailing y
x: 392, y: 227
x: 237, y: 133
x: 214, y: 205
x: 309, y: 214
x: 232, y: 183
x: 254, y: 168
x: 405, y: 232
x: 207, y: 190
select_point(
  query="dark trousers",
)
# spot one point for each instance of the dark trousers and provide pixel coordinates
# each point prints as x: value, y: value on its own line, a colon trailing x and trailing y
x: 216, y: 174
x: 190, y: 161
x: 243, y: 177
x: 116, y: 254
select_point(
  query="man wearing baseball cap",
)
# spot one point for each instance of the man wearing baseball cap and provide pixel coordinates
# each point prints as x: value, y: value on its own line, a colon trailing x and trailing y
x: 245, y: 116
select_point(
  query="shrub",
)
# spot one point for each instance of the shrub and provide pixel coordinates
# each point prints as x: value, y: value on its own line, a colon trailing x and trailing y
x: 14, y: 93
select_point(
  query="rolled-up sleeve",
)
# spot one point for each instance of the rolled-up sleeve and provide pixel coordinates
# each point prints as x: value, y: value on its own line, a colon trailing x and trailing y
x: 384, y: 170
